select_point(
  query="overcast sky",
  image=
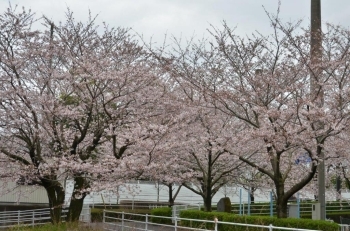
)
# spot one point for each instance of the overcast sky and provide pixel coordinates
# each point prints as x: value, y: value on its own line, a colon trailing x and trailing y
x: 186, y: 17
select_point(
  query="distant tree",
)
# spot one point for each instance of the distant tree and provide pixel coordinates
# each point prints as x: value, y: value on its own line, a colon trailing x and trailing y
x: 202, y: 152
x: 253, y: 180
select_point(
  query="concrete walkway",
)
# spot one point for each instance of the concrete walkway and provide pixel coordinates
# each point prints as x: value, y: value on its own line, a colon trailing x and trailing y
x: 132, y: 226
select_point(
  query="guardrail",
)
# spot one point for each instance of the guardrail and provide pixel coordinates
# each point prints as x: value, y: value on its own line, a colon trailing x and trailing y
x: 176, y: 209
x: 263, y: 208
x: 25, y: 217
x: 36, y: 217
x: 119, y: 220
x: 344, y: 227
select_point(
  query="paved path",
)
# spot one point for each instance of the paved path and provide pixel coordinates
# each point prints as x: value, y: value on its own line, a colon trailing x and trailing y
x: 132, y: 226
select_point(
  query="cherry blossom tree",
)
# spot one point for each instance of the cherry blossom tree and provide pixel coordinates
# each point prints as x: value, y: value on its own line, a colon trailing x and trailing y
x: 157, y: 149
x: 203, y: 152
x: 66, y: 92
x: 22, y: 140
x: 263, y: 81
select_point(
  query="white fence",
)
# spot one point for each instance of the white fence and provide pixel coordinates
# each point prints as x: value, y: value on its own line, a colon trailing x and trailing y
x: 176, y: 209
x: 25, y: 217
x: 121, y: 221
x: 36, y: 217
x: 344, y: 227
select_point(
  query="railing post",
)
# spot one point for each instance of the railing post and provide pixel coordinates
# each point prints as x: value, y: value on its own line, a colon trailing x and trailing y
x: 104, y: 217
x: 89, y: 214
x: 146, y: 224
x: 215, y: 224
x: 270, y: 227
x: 271, y: 204
x: 18, y: 216
x: 240, y: 201
x: 33, y: 217
x: 298, y: 203
x: 249, y: 202
x: 175, y: 226
x: 174, y: 213
x: 122, y: 221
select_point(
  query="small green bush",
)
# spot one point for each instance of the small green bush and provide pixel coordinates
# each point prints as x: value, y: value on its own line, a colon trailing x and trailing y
x: 96, y: 215
x: 163, y: 212
x: 200, y: 215
x: 257, y: 220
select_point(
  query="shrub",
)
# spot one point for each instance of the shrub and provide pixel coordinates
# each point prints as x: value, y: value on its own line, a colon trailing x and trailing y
x: 256, y: 220
x: 200, y: 215
x: 162, y: 212
x: 96, y: 215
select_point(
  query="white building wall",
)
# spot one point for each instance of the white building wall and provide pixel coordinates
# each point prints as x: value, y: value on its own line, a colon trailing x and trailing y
x: 10, y: 193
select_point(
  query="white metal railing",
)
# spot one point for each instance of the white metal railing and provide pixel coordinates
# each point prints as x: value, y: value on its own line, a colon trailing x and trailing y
x: 36, y: 217
x: 114, y: 220
x: 263, y: 208
x: 26, y: 217
x: 176, y: 209
x: 344, y: 227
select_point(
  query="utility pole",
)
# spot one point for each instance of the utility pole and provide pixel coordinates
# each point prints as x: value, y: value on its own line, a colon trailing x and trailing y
x: 317, y: 93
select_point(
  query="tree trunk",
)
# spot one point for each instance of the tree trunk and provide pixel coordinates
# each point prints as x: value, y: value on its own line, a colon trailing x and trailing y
x: 251, y: 194
x: 172, y: 196
x: 281, y: 200
x: 207, y: 197
x: 338, y: 187
x: 74, y: 211
x: 171, y: 200
x: 56, y: 194
x: 207, y: 203
x: 77, y: 200
x: 281, y: 207
x: 206, y: 187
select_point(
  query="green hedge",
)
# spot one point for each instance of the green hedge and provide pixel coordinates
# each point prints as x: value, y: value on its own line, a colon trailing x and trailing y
x: 257, y: 220
x: 201, y: 215
x: 96, y: 215
x: 163, y: 212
